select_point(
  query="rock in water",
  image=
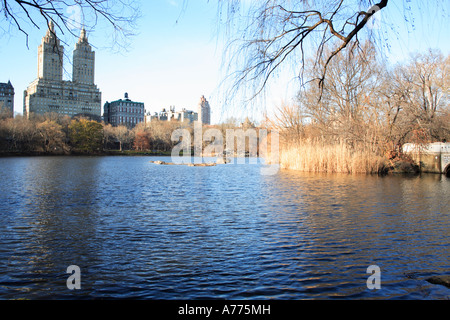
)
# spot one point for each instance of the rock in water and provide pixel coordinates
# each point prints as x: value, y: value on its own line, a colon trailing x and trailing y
x: 442, y: 280
x: 185, y: 164
x: 222, y: 161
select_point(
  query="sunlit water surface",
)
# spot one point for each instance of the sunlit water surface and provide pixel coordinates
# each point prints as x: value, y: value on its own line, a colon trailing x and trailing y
x: 142, y: 231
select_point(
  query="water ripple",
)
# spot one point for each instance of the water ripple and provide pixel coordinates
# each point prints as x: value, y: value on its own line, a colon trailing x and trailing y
x: 141, y: 231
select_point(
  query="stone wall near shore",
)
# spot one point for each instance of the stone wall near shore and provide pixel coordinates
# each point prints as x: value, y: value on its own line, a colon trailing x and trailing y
x: 431, y: 158
x: 428, y: 163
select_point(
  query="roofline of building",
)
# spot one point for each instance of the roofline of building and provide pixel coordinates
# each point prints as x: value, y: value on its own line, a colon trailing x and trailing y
x: 124, y: 100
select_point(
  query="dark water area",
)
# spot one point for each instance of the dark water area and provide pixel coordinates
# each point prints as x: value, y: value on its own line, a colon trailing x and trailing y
x: 142, y: 231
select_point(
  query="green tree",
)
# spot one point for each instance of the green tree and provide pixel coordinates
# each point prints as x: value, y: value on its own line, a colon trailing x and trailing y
x: 86, y: 136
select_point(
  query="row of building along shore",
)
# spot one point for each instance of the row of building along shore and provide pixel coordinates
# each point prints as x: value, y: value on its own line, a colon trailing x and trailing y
x: 49, y: 93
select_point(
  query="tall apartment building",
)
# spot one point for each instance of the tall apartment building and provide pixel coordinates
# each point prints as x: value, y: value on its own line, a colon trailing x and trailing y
x: 7, y: 98
x: 181, y: 116
x: 50, y: 93
x: 204, y: 111
x: 186, y: 116
x: 124, y: 112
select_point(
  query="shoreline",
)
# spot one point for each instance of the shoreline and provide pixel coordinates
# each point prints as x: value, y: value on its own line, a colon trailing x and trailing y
x: 409, y: 171
x: 91, y: 154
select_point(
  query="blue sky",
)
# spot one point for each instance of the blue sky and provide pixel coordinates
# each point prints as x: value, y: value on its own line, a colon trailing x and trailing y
x: 176, y: 56
x: 169, y: 62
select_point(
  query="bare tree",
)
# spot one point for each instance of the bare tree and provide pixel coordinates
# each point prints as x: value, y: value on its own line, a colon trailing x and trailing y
x: 51, y: 136
x: 19, y: 134
x: 123, y: 135
x: 71, y: 15
x: 108, y: 135
x: 161, y: 134
x: 268, y: 35
x: 142, y: 137
x: 289, y: 120
x: 428, y: 74
x: 277, y: 30
x: 347, y: 110
x: 420, y: 91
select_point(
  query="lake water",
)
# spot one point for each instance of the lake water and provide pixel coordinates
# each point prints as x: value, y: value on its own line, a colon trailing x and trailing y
x: 143, y: 231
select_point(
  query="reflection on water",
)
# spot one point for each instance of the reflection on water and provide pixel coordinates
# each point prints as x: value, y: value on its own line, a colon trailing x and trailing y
x: 142, y: 231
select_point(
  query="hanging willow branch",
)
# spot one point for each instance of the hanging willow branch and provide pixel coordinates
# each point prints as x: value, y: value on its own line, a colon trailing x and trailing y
x: 270, y: 32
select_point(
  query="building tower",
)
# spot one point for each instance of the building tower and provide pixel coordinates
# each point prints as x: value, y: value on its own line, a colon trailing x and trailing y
x: 50, y: 56
x: 204, y: 111
x: 7, y: 98
x: 124, y: 112
x: 83, y: 61
x: 49, y: 93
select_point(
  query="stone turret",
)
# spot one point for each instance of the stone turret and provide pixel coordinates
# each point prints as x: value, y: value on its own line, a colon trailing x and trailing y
x: 50, y: 56
x: 83, y: 61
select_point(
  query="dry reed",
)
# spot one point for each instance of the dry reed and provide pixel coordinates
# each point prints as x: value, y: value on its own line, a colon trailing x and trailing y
x: 317, y: 156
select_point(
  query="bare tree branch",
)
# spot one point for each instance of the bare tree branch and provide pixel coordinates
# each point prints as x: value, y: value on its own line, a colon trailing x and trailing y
x: 72, y: 15
x: 270, y: 32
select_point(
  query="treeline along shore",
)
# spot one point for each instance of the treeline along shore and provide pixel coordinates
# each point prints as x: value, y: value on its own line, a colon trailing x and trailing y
x: 355, y: 121
x: 54, y: 134
x: 359, y: 116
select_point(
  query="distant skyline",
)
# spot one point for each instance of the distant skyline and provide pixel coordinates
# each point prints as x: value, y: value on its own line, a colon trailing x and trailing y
x: 176, y: 56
